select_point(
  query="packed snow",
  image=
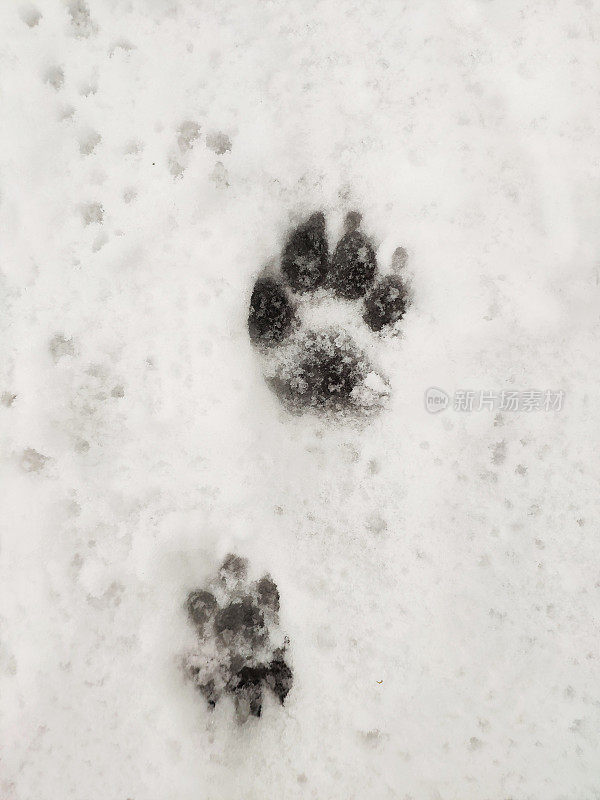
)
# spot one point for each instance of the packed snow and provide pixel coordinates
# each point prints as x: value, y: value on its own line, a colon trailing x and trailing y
x: 438, y: 572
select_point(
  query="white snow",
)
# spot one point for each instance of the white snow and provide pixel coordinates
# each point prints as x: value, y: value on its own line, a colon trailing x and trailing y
x: 438, y: 573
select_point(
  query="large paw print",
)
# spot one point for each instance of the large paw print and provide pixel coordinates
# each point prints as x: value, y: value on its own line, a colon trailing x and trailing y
x: 312, y: 363
x: 240, y: 650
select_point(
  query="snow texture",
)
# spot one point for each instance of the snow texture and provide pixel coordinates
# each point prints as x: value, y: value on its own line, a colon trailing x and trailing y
x: 438, y: 573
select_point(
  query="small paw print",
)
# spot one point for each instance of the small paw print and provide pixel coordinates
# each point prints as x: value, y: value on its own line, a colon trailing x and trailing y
x: 310, y: 362
x: 240, y: 650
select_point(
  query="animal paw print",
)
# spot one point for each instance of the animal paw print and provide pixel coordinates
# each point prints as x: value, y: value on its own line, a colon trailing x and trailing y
x: 240, y: 650
x: 310, y: 362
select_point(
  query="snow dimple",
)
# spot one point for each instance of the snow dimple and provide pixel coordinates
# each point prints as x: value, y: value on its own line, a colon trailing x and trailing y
x: 32, y: 461
x: 239, y: 650
x: 55, y: 76
x: 499, y: 453
x: 121, y: 44
x: 60, y: 346
x: 187, y: 135
x: 399, y: 259
x: 82, y: 23
x: 30, y: 16
x: 321, y: 368
x: 89, y: 142
x: 92, y: 213
x: 219, y: 143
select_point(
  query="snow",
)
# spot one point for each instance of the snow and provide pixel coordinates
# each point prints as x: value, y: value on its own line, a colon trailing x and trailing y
x: 438, y: 573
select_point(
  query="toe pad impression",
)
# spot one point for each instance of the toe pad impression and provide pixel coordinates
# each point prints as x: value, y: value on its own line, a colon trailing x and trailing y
x: 386, y: 304
x: 305, y: 255
x: 271, y: 315
x: 353, y: 266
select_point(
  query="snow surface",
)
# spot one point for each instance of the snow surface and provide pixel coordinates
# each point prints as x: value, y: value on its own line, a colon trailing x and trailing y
x: 439, y: 574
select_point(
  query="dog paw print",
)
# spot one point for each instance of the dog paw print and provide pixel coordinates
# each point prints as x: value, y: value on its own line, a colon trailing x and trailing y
x: 315, y: 320
x: 240, y: 650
